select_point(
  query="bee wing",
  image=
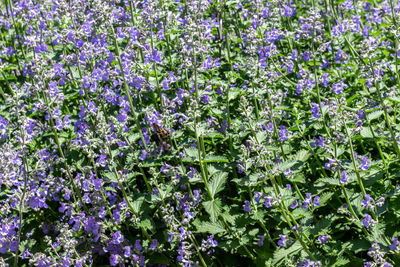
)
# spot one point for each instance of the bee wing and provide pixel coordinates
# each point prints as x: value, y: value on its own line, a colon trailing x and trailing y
x: 156, y: 127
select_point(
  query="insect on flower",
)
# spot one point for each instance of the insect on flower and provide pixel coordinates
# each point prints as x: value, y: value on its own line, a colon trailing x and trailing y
x: 161, y: 135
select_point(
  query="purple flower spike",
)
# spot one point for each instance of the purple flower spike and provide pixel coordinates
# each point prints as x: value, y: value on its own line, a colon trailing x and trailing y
x: 282, y: 241
x: 367, y: 221
x: 343, y: 177
x: 364, y: 163
x: 395, y: 244
x: 246, y: 206
x: 323, y: 239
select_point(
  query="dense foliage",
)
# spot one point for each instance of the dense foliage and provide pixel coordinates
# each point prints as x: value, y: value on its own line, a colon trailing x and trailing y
x: 199, y: 133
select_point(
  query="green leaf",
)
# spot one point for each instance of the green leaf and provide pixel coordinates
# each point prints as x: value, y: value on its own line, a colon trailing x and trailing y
x: 210, y: 227
x: 137, y: 204
x: 213, y: 207
x: 111, y: 177
x: 213, y: 158
x: 283, y: 166
x: 374, y: 115
x: 327, y: 181
x: 324, y: 198
x: 366, y: 132
x: 340, y: 261
x: 358, y: 245
x: 217, y: 183
x: 233, y: 93
x: 192, y: 153
x: 395, y: 99
x: 282, y: 253
x: 148, y: 224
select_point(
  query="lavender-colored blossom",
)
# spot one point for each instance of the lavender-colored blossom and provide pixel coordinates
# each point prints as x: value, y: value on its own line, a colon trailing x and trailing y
x: 366, y: 201
x: 343, y: 177
x: 395, y: 244
x: 315, y: 110
x: 316, y: 201
x: 294, y: 205
x: 283, y: 132
x: 154, y: 245
x: 323, y: 239
x: 282, y: 241
x: 268, y: 201
x: 364, y: 163
x: 339, y: 87
x: 367, y: 221
x: 118, y: 238
x: 246, y: 206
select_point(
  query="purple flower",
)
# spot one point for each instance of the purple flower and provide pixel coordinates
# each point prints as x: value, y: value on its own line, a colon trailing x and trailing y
x: 325, y: 80
x: 316, y: 201
x: 182, y: 232
x: 395, y: 243
x: 138, y: 246
x: 143, y: 155
x: 323, y: 239
x: 306, y: 56
x: 364, y: 163
x: 246, y: 206
x: 270, y: 128
x: 170, y: 237
x: 153, y: 246
x: 165, y: 84
x: 127, y: 252
x: 367, y: 221
x: 257, y: 196
x: 282, y: 241
x: 268, y: 201
x: 366, y: 201
x: 3, y: 128
x: 260, y: 242
x: 240, y: 168
x: 117, y: 238
x: 343, y: 177
x: 114, y: 260
x: 307, y: 201
x: 156, y: 56
x: 283, y: 133
x: 294, y: 205
x: 205, y: 99
x: 338, y: 87
x: 213, y: 243
x: 315, y: 110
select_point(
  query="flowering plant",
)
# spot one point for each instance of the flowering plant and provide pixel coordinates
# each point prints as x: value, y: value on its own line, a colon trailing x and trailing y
x: 199, y: 133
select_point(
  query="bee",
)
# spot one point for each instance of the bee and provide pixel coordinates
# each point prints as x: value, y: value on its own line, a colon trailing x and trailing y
x: 161, y: 135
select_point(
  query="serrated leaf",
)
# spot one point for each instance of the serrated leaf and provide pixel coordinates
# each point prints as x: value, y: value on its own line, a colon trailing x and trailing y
x: 213, y: 207
x: 341, y: 261
x: 329, y: 181
x: 366, y: 132
x: 283, y: 166
x: 282, y: 253
x: 395, y: 99
x: 217, y: 183
x: 137, y: 204
x: 192, y: 152
x: 111, y: 177
x: 148, y: 224
x: 233, y: 93
x: 374, y: 115
x: 324, y: 198
x: 211, y: 227
x: 302, y: 155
